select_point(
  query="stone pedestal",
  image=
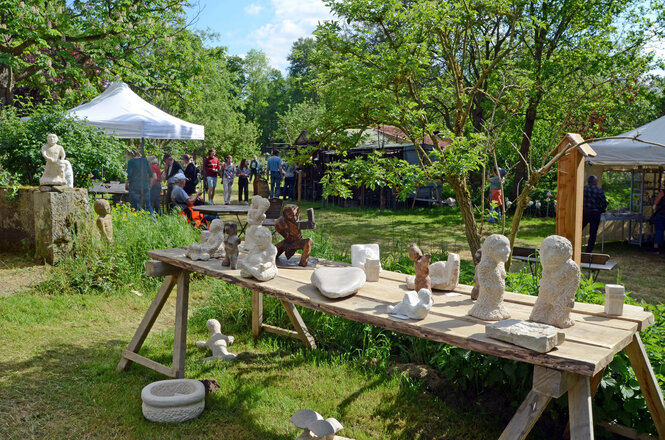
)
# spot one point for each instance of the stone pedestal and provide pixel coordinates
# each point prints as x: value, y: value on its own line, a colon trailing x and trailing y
x: 56, y: 216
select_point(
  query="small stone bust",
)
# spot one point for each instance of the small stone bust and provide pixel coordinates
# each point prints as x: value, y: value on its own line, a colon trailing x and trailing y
x: 560, y: 280
x: 492, y: 279
x: 231, y: 242
x: 105, y: 220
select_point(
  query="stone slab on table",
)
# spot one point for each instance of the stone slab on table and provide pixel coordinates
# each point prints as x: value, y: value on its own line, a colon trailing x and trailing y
x: 532, y: 335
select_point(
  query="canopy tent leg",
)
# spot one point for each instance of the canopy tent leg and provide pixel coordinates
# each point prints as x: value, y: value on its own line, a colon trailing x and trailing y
x: 203, y: 167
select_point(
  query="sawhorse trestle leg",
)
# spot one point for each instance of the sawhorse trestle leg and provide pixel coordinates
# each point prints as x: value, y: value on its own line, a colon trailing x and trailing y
x: 258, y: 326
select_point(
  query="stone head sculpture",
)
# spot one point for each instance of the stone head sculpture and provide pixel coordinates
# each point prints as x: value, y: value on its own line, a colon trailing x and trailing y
x: 230, y: 229
x: 102, y: 207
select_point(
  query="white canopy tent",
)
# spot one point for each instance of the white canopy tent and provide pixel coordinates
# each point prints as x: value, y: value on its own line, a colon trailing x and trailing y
x: 124, y: 114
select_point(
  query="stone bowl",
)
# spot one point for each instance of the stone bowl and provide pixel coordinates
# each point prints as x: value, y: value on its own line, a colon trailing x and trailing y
x: 175, y: 400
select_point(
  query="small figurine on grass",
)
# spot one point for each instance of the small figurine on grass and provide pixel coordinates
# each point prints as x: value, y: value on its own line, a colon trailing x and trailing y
x: 217, y: 343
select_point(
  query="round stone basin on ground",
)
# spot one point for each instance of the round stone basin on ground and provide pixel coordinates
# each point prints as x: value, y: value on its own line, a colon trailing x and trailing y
x: 175, y: 400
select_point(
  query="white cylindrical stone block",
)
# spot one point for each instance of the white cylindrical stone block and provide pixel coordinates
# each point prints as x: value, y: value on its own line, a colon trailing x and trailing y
x: 175, y: 400
x: 372, y: 269
x: 614, y: 298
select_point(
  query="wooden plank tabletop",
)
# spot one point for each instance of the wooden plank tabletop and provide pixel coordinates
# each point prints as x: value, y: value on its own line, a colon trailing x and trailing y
x: 589, y: 347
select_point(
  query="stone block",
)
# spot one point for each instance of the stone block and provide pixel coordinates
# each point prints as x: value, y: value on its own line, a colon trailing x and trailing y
x: 17, y: 225
x: 615, y: 295
x: 532, y: 335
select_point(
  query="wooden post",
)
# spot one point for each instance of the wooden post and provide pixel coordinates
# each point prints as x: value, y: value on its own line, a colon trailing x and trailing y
x: 180, y: 339
x: 579, y: 409
x: 257, y: 313
x: 570, y: 191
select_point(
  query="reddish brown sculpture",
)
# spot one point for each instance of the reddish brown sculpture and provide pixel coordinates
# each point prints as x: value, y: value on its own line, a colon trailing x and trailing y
x: 421, y: 265
x: 287, y: 226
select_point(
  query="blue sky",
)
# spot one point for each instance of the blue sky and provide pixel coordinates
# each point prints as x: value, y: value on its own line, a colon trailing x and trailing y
x: 269, y: 25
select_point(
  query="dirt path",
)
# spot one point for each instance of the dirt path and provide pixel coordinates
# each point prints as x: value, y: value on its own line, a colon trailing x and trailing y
x: 18, y: 273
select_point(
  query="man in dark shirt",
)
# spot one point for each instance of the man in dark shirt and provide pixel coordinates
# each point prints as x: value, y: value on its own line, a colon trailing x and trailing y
x: 171, y: 168
x: 594, y: 205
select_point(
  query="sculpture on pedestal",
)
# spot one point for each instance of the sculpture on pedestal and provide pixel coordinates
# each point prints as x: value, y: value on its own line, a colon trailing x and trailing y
x: 54, y: 171
x: 217, y: 343
x: 287, y: 227
x: 104, y: 221
x: 231, y: 242
x: 421, y: 266
x: 560, y: 280
x: 492, y: 279
x: 261, y: 254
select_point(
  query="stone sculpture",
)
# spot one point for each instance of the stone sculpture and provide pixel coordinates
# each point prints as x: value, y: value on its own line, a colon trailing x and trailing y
x: 338, y: 282
x: 372, y: 269
x: 421, y: 265
x: 532, y: 335
x: 444, y: 275
x: 287, y: 227
x: 492, y: 279
x: 414, y: 305
x: 69, y: 173
x: 231, y: 242
x: 361, y: 252
x: 476, y: 286
x: 211, y: 243
x: 217, y: 343
x: 615, y: 294
x: 313, y: 425
x: 54, y: 171
x: 173, y: 400
x: 261, y: 254
x: 560, y: 280
x: 105, y: 220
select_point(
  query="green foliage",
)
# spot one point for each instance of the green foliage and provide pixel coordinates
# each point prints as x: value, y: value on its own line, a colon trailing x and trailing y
x: 86, y: 147
x: 11, y: 181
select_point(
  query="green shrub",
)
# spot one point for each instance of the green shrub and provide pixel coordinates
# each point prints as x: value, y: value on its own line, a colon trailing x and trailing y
x: 87, y: 148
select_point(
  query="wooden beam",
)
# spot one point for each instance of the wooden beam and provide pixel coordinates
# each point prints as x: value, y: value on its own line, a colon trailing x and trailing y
x: 552, y: 383
x: 280, y: 331
x: 579, y: 410
x: 180, y: 337
x: 257, y: 313
x: 526, y: 416
x: 648, y: 382
x: 299, y: 324
x: 148, y: 320
x: 154, y: 268
x: 149, y: 363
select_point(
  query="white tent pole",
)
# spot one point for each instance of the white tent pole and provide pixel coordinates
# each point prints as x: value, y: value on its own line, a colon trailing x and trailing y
x: 204, y: 175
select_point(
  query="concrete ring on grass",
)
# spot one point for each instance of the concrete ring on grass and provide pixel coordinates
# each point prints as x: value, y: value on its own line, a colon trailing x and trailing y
x: 175, y: 400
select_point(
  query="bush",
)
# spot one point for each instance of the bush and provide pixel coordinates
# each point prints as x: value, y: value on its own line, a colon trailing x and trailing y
x: 87, y: 148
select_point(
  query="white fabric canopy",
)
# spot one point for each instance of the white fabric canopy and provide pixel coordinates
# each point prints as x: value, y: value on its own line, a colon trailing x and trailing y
x: 628, y: 153
x: 124, y: 114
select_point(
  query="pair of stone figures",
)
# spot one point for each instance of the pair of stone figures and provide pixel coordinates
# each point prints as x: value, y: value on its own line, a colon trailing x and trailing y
x: 58, y: 171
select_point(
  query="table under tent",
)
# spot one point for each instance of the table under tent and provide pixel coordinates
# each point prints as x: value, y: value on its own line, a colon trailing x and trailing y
x: 124, y: 114
x: 637, y: 154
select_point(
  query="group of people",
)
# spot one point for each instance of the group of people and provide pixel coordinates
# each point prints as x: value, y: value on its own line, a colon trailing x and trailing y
x: 245, y: 171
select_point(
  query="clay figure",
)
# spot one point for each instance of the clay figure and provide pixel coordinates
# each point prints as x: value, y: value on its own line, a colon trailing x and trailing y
x: 414, y: 305
x: 217, y: 343
x: 231, y: 242
x: 105, y: 220
x: 476, y: 286
x: 211, y: 243
x: 287, y: 227
x: 444, y: 275
x: 260, y: 259
x: 313, y: 425
x: 54, y: 171
x: 421, y: 265
x: 560, y: 280
x: 492, y: 279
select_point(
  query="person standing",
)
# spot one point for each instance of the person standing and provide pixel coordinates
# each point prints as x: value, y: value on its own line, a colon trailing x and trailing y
x: 595, y: 204
x: 156, y: 187
x: 227, y: 180
x: 139, y: 175
x: 211, y: 165
x: 253, y: 168
x: 243, y: 180
x: 171, y: 168
x: 289, y: 180
x: 496, y: 195
x: 190, y: 172
x: 658, y: 221
x: 275, y: 173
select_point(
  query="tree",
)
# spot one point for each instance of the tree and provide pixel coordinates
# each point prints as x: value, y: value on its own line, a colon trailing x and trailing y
x: 301, y: 71
x: 60, y: 46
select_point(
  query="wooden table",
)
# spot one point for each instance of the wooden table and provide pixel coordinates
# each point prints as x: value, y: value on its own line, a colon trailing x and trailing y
x: 576, y: 366
x: 227, y: 209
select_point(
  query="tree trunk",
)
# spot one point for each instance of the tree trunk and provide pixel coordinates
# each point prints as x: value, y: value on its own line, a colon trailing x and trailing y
x: 299, y: 187
x: 466, y: 208
x: 7, y: 84
x: 525, y: 147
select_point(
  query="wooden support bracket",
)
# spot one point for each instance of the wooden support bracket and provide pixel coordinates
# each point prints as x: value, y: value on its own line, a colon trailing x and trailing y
x: 154, y: 268
x: 552, y: 383
x: 526, y: 416
x: 299, y: 325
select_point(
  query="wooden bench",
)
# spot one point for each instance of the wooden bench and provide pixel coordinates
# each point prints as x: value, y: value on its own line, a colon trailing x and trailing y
x: 575, y: 367
x: 594, y: 263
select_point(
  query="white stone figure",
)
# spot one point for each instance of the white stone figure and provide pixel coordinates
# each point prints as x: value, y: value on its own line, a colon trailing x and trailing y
x: 255, y: 218
x: 260, y: 259
x: 560, y: 280
x: 212, y: 243
x: 615, y: 294
x: 338, y: 282
x: 69, y: 173
x: 372, y: 269
x: 217, y: 343
x: 313, y: 425
x: 443, y: 274
x: 361, y: 252
x: 54, y: 171
x: 492, y: 279
x: 414, y: 305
